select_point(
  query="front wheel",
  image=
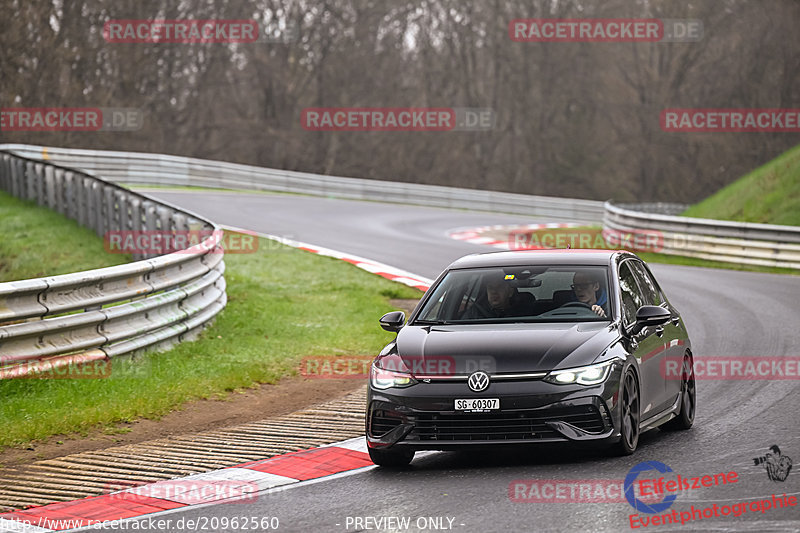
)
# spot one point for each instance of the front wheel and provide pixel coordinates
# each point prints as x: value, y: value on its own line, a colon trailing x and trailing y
x: 392, y: 457
x: 629, y: 407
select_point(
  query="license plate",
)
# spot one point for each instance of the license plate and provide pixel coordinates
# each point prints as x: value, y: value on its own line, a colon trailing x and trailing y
x: 478, y: 404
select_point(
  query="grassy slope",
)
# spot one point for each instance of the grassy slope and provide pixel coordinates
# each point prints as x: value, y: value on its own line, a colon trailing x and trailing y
x: 37, y: 242
x: 769, y: 194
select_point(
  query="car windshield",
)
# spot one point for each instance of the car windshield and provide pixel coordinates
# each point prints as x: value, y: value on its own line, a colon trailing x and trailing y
x: 519, y: 294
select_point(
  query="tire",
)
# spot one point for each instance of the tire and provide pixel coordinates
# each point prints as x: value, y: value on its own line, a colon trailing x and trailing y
x: 629, y: 416
x: 393, y: 458
x: 685, y: 417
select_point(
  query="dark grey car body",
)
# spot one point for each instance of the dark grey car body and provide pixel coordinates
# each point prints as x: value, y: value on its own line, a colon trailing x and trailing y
x: 523, y: 354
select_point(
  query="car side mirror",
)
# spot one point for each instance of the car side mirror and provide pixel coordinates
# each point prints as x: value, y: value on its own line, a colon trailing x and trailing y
x: 393, y: 321
x: 650, y: 315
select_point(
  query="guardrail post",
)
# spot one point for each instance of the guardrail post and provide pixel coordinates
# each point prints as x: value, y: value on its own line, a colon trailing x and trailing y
x: 50, y: 187
x: 5, y: 172
x: 30, y: 181
x: 17, y: 178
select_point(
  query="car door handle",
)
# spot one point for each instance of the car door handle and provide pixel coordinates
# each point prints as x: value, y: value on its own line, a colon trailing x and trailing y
x: 660, y: 331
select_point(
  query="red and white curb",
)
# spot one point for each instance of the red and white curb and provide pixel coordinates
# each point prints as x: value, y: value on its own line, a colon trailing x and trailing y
x: 374, y: 267
x: 476, y: 235
x: 211, y: 487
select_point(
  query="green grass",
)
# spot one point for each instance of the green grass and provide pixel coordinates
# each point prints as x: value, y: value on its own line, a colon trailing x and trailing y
x: 283, y: 304
x: 769, y: 194
x: 38, y: 242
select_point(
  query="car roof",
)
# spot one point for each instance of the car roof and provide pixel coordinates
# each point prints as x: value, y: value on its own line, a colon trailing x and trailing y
x: 574, y: 256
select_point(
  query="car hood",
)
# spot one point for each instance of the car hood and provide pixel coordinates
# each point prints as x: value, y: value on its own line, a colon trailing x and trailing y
x: 532, y: 347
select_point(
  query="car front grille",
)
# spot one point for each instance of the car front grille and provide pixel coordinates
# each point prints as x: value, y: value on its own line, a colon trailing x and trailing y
x: 499, y: 426
x: 383, y: 421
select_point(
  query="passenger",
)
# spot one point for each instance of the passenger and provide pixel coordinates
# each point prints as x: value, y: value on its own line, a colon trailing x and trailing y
x: 585, y: 287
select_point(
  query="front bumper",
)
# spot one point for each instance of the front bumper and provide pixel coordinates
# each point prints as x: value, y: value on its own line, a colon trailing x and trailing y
x: 423, y: 417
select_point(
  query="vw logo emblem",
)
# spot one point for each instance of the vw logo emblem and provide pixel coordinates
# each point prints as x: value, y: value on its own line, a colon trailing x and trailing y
x: 478, y: 381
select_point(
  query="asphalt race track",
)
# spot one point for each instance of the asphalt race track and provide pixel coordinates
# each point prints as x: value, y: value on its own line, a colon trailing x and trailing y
x: 727, y: 313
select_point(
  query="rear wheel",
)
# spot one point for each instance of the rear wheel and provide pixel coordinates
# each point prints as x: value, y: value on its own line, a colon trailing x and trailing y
x: 392, y: 457
x: 685, y: 417
x: 629, y: 407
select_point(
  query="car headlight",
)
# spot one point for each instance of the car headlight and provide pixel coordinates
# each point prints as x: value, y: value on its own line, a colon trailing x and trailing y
x: 386, y: 379
x: 585, y: 375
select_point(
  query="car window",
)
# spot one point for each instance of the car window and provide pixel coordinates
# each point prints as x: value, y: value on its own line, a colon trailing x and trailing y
x: 652, y: 296
x: 450, y: 299
x: 632, y: 298
x: 519, y: 293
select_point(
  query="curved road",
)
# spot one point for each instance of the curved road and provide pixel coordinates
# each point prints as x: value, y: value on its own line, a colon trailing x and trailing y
x: 727, y: 313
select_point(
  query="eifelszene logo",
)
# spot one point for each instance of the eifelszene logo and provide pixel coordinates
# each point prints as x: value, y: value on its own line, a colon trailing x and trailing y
x: 638, y: 504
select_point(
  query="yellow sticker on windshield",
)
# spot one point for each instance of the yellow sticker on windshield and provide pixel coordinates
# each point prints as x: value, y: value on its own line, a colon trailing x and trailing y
x: 509, y: 276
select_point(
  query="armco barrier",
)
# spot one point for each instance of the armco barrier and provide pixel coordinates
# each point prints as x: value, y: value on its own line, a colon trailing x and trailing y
x: 160, y: 300
x: 157, y: 169
x: 73, y: 318
x: 756, y: 244
x: 716, y: 240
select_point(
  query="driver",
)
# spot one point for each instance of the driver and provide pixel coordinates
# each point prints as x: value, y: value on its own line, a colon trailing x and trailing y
x: 585, y: 287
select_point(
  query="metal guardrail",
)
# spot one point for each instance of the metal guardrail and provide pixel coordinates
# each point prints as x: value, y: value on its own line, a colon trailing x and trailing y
x: 98, y: 314
x: 158, y: 169
x: 755, y: 244
x: 716, y: 240
x: 161, y: 300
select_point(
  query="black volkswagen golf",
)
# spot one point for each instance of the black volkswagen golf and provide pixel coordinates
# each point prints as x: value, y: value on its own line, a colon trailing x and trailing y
x: 530, y: 347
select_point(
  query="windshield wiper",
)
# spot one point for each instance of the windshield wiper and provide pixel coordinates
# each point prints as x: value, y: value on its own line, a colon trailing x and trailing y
x: 431, y: 322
